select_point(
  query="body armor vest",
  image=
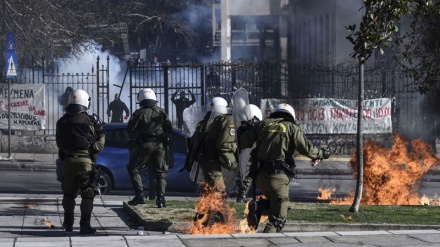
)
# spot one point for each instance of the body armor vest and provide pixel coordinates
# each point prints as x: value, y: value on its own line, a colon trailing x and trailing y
x: 75, y: 132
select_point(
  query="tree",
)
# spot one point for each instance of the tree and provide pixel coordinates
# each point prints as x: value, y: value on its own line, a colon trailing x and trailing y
x: 58, y: 28
x: 170, y: 25
x: 419, y: 48
x: 376, y: 31
x: 53, y: 28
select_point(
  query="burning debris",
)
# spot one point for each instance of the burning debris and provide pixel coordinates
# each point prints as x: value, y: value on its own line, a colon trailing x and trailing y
x: 43, y: 222
x: 392, y: 176
x: 213, y: 214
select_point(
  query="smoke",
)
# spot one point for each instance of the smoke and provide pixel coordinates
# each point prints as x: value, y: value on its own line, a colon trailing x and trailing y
x: 86, y: 63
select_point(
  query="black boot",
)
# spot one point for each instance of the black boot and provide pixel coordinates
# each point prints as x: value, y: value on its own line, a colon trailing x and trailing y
x: 84, y: 225
x: 241, y: 197
x: 256, y: 209
x: 68, y: 222
x: 160, y: 202
x: 138, y: 199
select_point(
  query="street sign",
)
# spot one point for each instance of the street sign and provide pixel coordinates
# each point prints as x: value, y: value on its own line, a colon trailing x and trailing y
x: 11, y: 56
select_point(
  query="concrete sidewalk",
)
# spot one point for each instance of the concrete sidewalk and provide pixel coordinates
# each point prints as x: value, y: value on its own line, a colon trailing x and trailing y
x: 35, y: 220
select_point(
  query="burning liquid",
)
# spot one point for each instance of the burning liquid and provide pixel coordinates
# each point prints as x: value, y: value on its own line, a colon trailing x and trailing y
x: 392, y: 176
x: 215, y: 216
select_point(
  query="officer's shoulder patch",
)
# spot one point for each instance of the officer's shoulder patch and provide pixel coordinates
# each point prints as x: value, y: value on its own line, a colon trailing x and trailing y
x: 232, y: 132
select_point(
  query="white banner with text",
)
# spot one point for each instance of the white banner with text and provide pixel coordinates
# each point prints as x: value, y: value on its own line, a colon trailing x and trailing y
x: 27, y: 106
x: 337, y: 116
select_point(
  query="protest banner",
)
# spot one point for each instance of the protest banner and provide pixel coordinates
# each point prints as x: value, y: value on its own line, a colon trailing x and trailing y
x: 27, y: 106
x: 337, y: 116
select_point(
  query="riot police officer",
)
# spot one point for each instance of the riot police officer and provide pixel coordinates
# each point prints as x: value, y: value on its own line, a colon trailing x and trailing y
x: 150, y: 126
x: 195, y: 141
x: 218, y: 149
x: 79, y: 137
x: 276, y: 139
x: 217, y: 146
x: 244, y: 181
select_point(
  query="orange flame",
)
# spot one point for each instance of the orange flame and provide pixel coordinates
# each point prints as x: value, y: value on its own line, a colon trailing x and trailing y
x: 210, y: 204
x: 392, y: 176
x: 326, y: 194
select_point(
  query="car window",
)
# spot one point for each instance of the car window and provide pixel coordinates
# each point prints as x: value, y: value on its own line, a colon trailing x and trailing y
x: 116, y: 138
x: 178, y: 142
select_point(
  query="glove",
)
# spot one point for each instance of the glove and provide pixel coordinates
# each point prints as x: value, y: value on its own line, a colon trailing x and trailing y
x: 228, y: 161
x: 325, y: 153
x: 244, y: 127
x: 315, y: 162
x: 126, y: 117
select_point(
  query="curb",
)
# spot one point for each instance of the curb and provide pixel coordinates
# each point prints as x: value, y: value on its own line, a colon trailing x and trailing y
x: 178, y: 227
x: 25, y: 165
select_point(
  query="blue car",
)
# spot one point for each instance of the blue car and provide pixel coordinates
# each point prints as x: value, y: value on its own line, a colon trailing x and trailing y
x: 113, y: 160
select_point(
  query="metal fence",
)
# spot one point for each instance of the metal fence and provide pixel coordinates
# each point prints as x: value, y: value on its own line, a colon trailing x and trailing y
x: 414, y: 115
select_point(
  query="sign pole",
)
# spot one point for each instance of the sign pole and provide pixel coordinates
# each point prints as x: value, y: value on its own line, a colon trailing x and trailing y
x: 11, y: 73
x: 9, y: 119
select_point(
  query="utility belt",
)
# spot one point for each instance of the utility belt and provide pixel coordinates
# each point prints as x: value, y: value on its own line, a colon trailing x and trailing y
x: 64, y: 156
x: 150, y: 138
x: 273, y: 166
x: 278, y: 167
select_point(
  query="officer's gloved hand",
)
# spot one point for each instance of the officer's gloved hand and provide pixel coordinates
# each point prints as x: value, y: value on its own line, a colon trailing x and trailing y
x: 325, y: 153
x: 126, y: 117
x: 314, y: 162
x: 244, y: 127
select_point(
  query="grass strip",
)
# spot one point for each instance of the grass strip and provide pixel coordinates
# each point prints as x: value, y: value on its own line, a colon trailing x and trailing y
x: 181, y: 211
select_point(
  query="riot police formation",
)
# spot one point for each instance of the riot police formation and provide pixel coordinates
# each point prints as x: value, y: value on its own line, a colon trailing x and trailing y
x: 116, y: 109
x: 150, y: 126
x: 79, y: 137
x: 276, y: 139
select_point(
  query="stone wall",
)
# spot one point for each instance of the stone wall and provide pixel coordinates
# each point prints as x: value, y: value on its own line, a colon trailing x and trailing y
x: 25, y: 143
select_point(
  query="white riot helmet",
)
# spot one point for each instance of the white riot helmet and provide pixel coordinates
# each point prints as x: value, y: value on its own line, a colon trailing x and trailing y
x: 217, y: 101
x: 79, y: 97
x: 285, y: 108
x: 251, y: 112
x: 146, y: 97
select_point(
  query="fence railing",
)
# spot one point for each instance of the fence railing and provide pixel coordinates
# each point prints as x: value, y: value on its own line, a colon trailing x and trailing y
x: 414, y: 115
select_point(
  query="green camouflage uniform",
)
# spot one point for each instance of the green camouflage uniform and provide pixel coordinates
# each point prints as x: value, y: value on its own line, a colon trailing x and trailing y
x: 149, y: 125
x: 276, y: 140
x: 218, y: 151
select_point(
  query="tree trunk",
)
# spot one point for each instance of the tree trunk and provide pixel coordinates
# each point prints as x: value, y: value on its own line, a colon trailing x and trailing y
x: 359, y: 141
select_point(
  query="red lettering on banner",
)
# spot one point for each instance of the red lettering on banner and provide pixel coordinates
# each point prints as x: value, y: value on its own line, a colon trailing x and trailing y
x: 40, y: 113
x: 383, y: 112
x: 19, y: 104
x: 339, y: 113
x: 299, y: 114
x: 316, y: 114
